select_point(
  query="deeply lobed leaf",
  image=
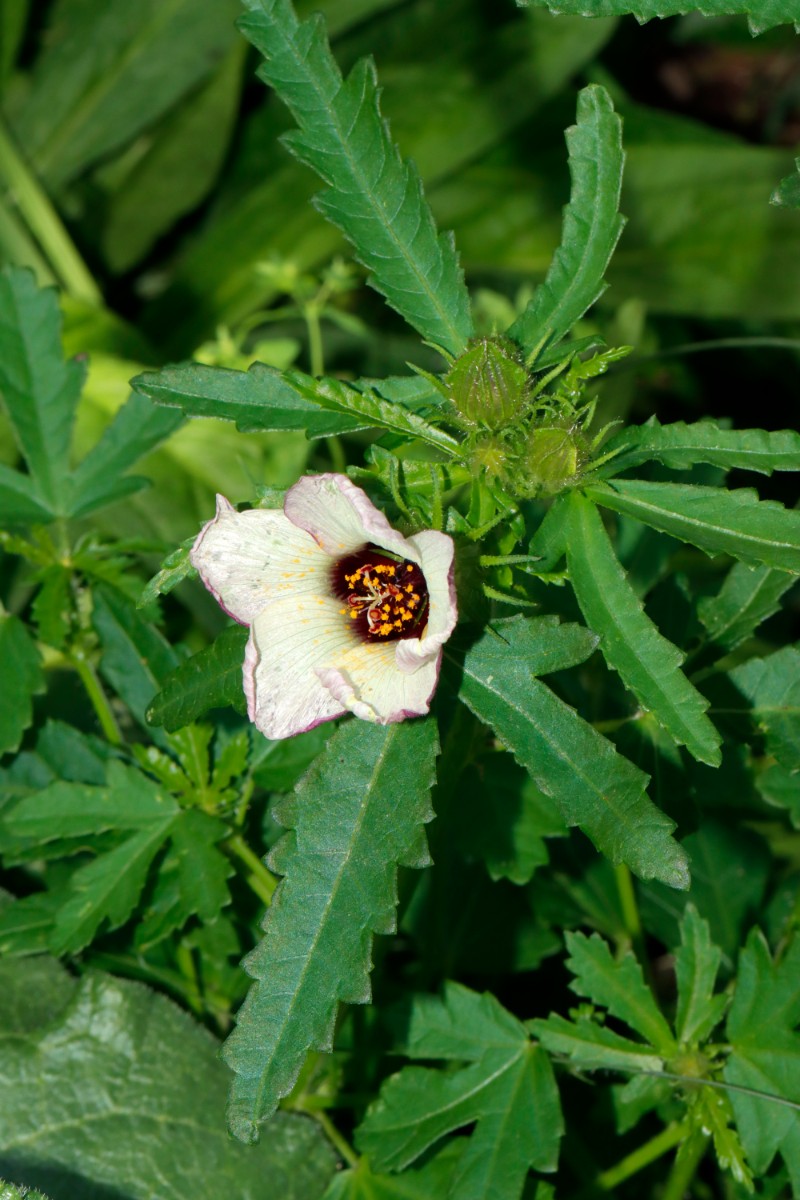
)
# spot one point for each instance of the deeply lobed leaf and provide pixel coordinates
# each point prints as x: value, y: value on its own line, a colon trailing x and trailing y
x: 210, y: 679
x: 358, y: 813
x: 748, y: 596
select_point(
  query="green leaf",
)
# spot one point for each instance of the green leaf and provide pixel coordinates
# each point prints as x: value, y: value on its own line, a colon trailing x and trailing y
x: 696, y: 965
x: 788, y: 190
x: 39, y: 390
x: 428, y: 1182
x: 20, y: 503
x: 107, y: 75
x: 136, y: 658
x: 592, y: 1047
x: 9, y: 1192
x: 372, y: 195
x: 123, y: 1094
x: 765, y: 1053
x: 619, y: 986
x: 22, y: 680
x: 592, y: 224
x: 137, y: 429
x: 718, y: 521
x: 648, y: 664
x: 52, y: 609
x: 508, y: 1089
x: 506, y: 832
x: 175, y: 568
x: 680, y: 446
x: 27, y: 924
x: 203, y: 870
x: 761, y: 14
x: 358, y: 813
x: 258, y: 399
x: 772, y: 686
x: 748, y: 596
x: 594, y: 786
x: 210, y: 679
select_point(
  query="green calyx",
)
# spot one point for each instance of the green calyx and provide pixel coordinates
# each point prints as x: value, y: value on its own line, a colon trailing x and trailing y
x: 551, y: 460
x: 488, y: 384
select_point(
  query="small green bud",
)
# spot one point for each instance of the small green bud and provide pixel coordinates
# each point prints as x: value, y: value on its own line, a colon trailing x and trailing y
x: 488, y: 384
x: 552, y: 459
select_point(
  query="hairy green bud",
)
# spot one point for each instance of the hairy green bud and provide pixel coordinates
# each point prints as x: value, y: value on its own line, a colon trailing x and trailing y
x: 488, y: 384
x: 552, y: 459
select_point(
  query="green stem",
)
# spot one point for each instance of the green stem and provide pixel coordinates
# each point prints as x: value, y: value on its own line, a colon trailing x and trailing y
x: 315, y: 351
x: 640, y: 1158
x: 18, y: 247
x: 338, y: 456
x: 259, y: 879
x: 687, y: 1160
x: 193, y: 994
x: 630, y: 910
x: 100, y: 703
x: 45, y: 224
x: 340, y: 1144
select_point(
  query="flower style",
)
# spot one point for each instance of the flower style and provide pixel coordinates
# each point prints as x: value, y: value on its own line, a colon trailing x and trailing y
x: 345, y: 613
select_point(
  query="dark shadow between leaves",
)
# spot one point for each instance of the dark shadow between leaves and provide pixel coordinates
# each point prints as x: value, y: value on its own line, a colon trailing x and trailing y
x: 55, y: 1181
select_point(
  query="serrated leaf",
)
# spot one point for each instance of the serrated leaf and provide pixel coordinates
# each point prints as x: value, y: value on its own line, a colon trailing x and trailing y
x: 718, y: 521
x: 509, y: 1090
x: 431, y: 1181
x: 26, y: 924
x: 680, y: 446
x: 22, y: 680
x: 52, y: 607
x: 20, y: 502
x: 592, y: 1047
x: 358, y: 812
x: 772, y: 686
x: 114, y: 1048
x: 619, y: 986
x: 257, y: 399
x: 696, y: 964
x: 374, y: 197
x: 592, y: 224
x: 761, y: 14
x: 210, y: 679
x: 136, y: 659
x: 203, y: 869
x: 765, y: 1051
x: 100, y: 479
x: 647, y: 662
x: 594, y: 786
x: 39, y: 389
x: 748, y: 596
x: 788, y: 190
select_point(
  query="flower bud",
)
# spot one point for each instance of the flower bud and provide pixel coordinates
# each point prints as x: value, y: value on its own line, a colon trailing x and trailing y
x: 488, y: 384
x: 553, y: 457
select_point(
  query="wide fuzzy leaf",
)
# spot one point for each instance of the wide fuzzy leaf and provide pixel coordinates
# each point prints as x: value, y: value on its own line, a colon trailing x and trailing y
x: 108, y: 1089
x: 594, y: 786
x: 748, y: 596
x: 137, y: 428
x: 508, y: 1089
x: 718, y: 521
x: 680, y: 446
x: 39, y: 389
x: 648, y: 664
x: 374, y: 197
x: 592, y: 224
x: 358, y: 813
x: 22, y: 679
x: 210, y: 679
x: 765, y: 1053
x: 258, y: 399
x: 761, y: 14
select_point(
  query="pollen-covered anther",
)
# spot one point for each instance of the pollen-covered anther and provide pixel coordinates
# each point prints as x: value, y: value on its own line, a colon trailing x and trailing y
x: 380, y: 608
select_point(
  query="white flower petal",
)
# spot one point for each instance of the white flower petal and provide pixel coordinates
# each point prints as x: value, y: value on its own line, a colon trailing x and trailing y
x: 342, y: 518
x: 436, y: 553
x: 367, y: 682
x: 288, y: 640
x: 245, y: 559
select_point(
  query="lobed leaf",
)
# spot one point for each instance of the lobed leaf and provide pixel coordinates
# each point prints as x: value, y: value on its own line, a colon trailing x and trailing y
x: 23, y: 678
x: 680, y: 446
x: 142, y: 1115
x: 210, y: 679
x: 39, y: 389
x: 461, y: 1024
x: 358, y: 813
x: 772, y: 687
x: 372, y: 195
x: 696, y: 964
x: 594, y: 786
x: 20, y: 502
x: 592, y: 224
x: 715, y: 520
x: 761, y: 14
x: 593, y: 1047
x: 748, y: 596
x: 648, y: 663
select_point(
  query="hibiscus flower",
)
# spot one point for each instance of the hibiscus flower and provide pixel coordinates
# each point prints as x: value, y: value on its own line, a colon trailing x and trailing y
x: 345, y: 614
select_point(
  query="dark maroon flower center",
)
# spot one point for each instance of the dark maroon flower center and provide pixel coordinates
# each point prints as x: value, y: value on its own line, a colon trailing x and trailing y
x: 383, y: 598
